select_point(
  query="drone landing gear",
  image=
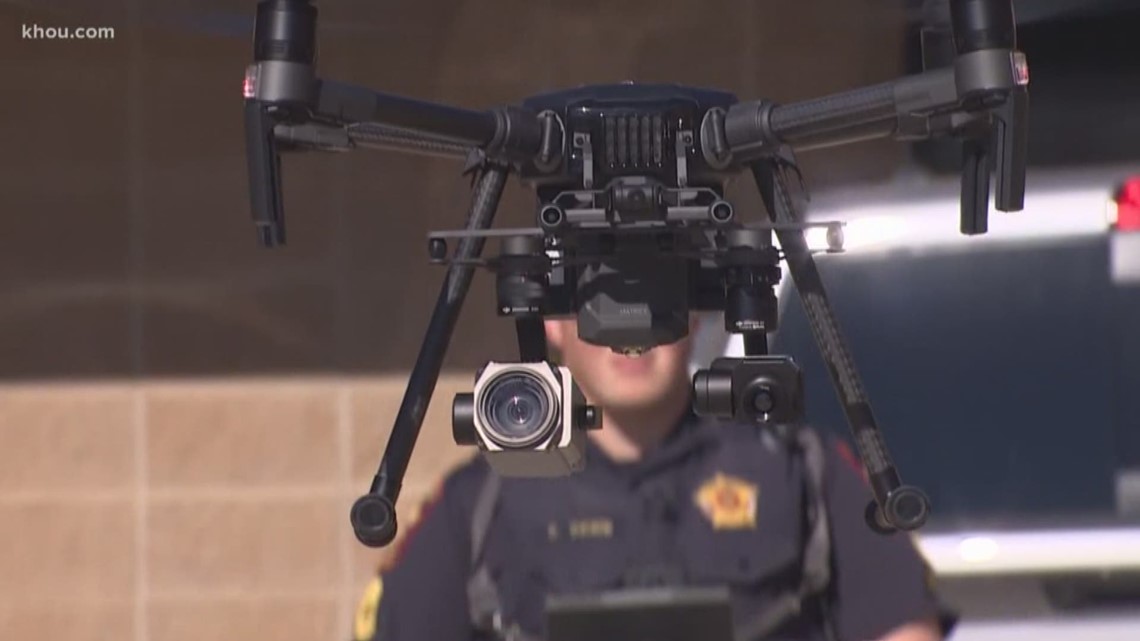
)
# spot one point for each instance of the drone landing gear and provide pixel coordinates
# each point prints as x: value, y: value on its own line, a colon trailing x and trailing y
x: 374, y: 514
x: 896, y: 506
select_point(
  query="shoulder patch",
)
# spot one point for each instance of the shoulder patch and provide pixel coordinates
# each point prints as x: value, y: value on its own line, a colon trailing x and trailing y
x: 364, y: 623
x: 407, y: 531
x: 728, y: 502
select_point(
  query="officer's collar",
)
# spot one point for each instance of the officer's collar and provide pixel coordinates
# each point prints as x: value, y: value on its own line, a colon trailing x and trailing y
x: 689, y: 433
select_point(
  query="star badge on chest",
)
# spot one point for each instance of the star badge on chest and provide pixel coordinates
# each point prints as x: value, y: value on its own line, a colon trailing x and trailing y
x: 728, y: 502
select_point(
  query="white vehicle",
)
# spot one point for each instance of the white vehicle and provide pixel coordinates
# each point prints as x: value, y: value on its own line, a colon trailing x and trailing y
x: 1004, y: 369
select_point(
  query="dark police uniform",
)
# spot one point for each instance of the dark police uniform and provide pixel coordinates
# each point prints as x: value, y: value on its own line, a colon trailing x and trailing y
x: 717, y: 504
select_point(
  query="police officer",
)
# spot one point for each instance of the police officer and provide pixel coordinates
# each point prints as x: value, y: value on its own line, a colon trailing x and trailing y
x: 664, y: 499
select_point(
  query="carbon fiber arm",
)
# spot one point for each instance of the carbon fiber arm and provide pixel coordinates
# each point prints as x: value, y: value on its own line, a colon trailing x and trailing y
x: 368, y: 135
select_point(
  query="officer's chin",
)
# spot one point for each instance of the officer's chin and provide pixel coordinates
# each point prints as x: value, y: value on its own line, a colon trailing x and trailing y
x: 632, y: 396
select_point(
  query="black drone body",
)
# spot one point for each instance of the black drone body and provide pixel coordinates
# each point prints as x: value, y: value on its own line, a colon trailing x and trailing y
x: 636, y: 126
x: 633, y: 231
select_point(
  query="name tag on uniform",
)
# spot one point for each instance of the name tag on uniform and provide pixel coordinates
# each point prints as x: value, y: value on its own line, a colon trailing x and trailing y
x: 586, y: 528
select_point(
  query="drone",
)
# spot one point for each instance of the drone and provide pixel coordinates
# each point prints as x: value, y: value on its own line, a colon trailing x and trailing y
x: 633, y: 230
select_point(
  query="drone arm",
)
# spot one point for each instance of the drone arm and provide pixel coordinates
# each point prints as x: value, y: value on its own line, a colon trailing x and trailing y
x: 852, y: 134
x: 311, y: 136
x: 302, y: 99
x: 328, y: 138
x: 987, y: 70
x: 283, y: 94
x: 381, y: 137
x: 349, y: 105
x: 754, y: 129
x: 981, y: 97
x: 833, y: 113
x: 283, y: 78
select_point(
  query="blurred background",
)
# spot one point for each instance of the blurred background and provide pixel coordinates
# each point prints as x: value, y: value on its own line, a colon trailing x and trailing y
x: 185, y: 418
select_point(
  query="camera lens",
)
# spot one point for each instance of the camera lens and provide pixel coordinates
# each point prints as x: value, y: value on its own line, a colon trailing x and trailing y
x: 551, y: 216
x: 721, y: 211
x: 762, y: 401
x: 518, y: 409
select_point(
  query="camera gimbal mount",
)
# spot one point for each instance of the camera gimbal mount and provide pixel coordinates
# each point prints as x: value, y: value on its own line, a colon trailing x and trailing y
x: 633, y: 230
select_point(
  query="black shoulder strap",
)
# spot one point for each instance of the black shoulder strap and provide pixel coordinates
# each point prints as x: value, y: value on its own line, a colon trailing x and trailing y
x: 482, y: 595
x: 815, y: 575
x: 817, y: 552
x: 483, y: 603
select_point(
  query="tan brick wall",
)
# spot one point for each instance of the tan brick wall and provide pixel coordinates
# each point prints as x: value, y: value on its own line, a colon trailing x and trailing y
x: 197, y: 510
